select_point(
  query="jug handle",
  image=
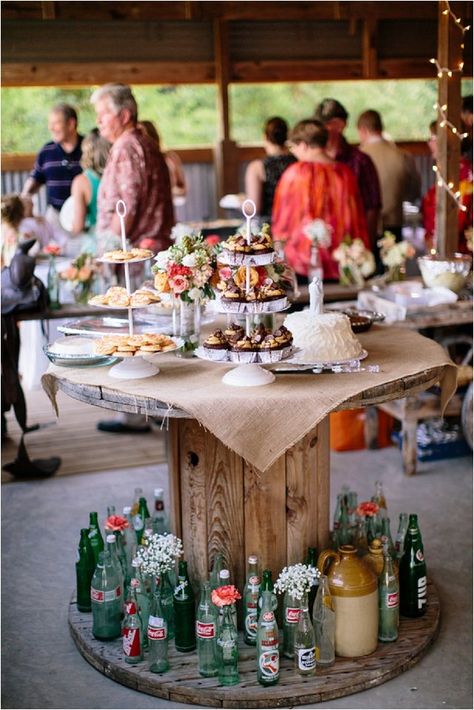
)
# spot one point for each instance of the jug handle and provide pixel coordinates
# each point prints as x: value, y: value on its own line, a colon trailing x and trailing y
x: 325, y: 556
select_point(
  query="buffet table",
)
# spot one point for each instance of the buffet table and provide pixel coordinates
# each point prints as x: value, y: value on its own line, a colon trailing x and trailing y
x: 249, y: 466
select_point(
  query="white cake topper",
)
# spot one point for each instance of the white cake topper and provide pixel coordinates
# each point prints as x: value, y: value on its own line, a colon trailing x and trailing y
x: 316, y: 296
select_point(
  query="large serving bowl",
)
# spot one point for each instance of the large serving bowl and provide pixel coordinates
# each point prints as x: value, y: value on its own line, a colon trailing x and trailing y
x: 450, y: 272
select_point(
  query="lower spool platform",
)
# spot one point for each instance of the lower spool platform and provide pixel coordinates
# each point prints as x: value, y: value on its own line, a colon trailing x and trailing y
x: 183, y: 684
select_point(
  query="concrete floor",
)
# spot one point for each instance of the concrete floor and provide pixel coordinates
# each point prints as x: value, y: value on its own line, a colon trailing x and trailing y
x: 41, y: 667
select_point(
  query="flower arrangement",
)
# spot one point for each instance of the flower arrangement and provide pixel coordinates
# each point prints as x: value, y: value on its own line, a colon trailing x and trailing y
x: 297, y: 580
x: 356, y: 262
x: 394, y: 255
x: 159, y: 554
x: 319, y: 232
x: 185, y: 269
x: 115, y: 523
x: 81, y: 274
x: 367, y: 508
x: 224, y: 596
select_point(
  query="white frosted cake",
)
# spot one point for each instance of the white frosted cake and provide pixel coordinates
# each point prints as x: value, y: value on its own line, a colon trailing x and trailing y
x: 73, y: 345
x: 324, y: 337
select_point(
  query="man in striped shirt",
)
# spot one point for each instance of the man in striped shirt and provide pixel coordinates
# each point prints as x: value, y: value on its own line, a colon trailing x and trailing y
x: 57, y: 163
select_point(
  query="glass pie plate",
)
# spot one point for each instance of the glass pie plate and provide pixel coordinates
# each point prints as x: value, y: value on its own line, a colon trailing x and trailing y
x: 71, y: 360
x: 325, y: 364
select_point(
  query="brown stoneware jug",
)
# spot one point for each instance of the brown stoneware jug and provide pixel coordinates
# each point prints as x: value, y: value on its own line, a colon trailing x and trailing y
x: 353, y: 586
x: 374, y: 558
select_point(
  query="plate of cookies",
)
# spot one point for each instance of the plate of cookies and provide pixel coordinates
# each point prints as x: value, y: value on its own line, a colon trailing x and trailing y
x: 126, y: 256
x: 137, y: 345
x: 117, y: 297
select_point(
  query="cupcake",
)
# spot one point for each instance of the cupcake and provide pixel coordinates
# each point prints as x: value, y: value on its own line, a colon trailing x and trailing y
x: 216, y: 346
x: 259, y: 251
x: 243, y: 350
x: 285, y: 337
x: 272, y: 296
x: 232, y: 298
x: 270, y: 349
x: 234, y: 332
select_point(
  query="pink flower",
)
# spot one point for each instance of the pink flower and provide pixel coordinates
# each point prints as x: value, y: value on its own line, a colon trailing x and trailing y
x: 212, y: 239
x: 223, y: 596
x: 367, y: 508
x: 116, y: 522
x: 179, y: 284
x: 85, y: 273
x: 53, y: 249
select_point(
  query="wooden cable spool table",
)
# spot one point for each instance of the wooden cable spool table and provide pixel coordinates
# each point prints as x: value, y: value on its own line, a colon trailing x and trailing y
x: 222, y: 503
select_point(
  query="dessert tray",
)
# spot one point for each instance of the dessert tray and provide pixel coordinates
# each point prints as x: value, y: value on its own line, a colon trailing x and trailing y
x: 125, y: 256
x: 70, y: 360
x: 327, y: 364
x: 264, y: 358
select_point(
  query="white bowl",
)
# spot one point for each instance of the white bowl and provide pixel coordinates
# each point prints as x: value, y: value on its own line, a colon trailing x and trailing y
x: 450, y: 272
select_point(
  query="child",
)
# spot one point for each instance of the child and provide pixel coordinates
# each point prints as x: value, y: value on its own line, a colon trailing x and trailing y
x: 12, y: 211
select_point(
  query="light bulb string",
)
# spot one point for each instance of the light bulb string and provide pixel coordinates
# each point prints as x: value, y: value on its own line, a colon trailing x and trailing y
x: 457, y: 20
x: 448, y: 186
x: 446, y: 123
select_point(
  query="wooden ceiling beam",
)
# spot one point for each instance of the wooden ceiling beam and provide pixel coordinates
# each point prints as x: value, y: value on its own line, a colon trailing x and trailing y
x: 48, y: 10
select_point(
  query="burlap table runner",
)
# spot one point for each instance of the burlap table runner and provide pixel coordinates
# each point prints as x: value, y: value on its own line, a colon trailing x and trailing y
x: 261, y: 423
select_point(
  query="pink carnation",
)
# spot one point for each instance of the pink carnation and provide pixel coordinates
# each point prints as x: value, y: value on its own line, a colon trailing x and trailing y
x: 223, y: 596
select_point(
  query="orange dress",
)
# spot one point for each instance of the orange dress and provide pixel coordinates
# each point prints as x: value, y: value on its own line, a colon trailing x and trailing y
x: 308, y: 191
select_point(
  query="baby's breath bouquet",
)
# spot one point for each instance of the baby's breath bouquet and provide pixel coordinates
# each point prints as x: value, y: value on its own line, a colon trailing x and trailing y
x: 159, y: 554
x: 297, y: 580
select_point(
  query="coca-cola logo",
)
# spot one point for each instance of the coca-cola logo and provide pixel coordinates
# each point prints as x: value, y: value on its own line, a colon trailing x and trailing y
x: 292, y: 615
x: 97, y: 595
x: 156, y: 633
x: 392, y: 600
x: 205, y: 630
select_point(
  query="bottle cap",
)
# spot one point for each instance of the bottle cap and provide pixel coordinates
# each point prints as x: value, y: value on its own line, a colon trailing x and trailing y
x: 127, y: 510
x: 224, y: 574
x: 253, y: 559
x: 158, y: 492
x: 110, y: 538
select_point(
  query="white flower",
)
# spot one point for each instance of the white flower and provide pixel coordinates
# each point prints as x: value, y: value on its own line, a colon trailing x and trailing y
x: 179, y: 231
x: 159, y: 554
x: 319, y: 232
x: 297, y: 580
x: 195, y: 294
x: 189, y: 260
x: 162, y: 259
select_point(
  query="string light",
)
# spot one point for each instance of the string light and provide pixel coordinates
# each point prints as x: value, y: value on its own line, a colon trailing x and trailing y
x: 442, y: 70
x: 448, y: 186
x: 457, y: 20
x: 447, y: 123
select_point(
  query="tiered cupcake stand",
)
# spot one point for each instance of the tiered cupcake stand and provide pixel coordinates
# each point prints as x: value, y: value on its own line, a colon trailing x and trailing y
x: 136, y: 367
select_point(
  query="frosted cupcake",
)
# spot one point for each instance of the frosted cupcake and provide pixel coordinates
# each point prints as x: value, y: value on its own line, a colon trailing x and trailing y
x: 216, y: 346
x: 243, y: 351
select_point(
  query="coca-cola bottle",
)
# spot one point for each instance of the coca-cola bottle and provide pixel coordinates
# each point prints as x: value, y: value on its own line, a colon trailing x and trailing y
x: 291, y: 614
x: 85, y: 566
x: 160, y: 522
x: 142, y: 595
x: 130, y: 542
x: 206, y: 634
x: 106, y: 599
x: 224, y: 581
x: 251, y: 593
x: 268, y: 654
x: 388, y: 601
x: 401, y: 532
x: 413, y: 581
x: 185, y: 617
x: 132, y: 633
x: 157, y: 634
x: 111, y: 544
x: 305, y: 651
x: 324, y: 623
x: 95, y: 536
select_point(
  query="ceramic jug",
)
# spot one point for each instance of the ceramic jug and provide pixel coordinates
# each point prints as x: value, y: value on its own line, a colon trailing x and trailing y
x: 353, y: 586
x: 374, y: 558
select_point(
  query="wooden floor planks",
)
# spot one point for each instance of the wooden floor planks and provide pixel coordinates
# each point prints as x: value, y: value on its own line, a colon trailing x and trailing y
x: 75, y: 438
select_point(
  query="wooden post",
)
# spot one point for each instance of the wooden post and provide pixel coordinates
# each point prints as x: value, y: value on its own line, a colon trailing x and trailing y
x: 225, y: 154
x: 369, y: 48
x: 450, y: 40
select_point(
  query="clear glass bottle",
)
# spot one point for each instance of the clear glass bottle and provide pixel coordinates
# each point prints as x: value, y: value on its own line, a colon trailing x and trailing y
x: 268, y: 652
x: 267, y: 586
x: 413, y: 580
x: 224, y: 580
x: 206, y: 634
x: 219, y: 563
x: 386, y: 537
x: 105, y: 599
x: 53, y: 285
x: 166, y: 586
x: 160, y: 517
x: 227, y: 649
x: 291, y: 613
x: 111, y: 544
x: 360, y: 538
x: 312, y: 561
x: 157, y: 633
x: 143, y: 598
x: 130, y: 542
x: 305, y: 651
x: 250, y: 596
x: 132, y: 630
x: 401, y: 532
x: 388, y: 601
x: 324, y: 622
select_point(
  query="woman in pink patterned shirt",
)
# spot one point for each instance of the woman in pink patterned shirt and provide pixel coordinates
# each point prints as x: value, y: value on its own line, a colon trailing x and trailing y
x: 135, y: 172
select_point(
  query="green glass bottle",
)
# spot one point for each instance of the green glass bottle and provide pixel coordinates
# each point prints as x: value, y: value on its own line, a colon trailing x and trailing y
x: 268, y: 653
x: 227, y: 649
x: 413, y: 580
x: 53, y: 285
x: 95, y: 536
x: 85, y: 567
x: 185, y: 616
x: 388, y: 600
x: 266, y: 586
x: 250, y: 595
x: 386, y: 537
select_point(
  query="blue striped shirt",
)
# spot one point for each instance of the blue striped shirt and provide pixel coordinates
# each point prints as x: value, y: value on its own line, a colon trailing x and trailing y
x: 56, y: 169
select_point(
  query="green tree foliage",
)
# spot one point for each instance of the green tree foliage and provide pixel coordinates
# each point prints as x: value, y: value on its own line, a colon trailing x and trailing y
x: 187, y: 115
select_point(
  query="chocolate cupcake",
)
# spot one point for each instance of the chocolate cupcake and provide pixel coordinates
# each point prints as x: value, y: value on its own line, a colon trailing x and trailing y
x: 244, y: 350
x: 234, y: 332
x: 216, y: 346
x: 270, y: 349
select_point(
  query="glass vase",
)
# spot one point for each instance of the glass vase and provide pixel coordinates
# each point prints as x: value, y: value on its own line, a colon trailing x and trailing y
x: 227, y: 649
x: 53, y: 284
x: 396, y: 273
x: 291, y: 615
x: 187, y: 324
